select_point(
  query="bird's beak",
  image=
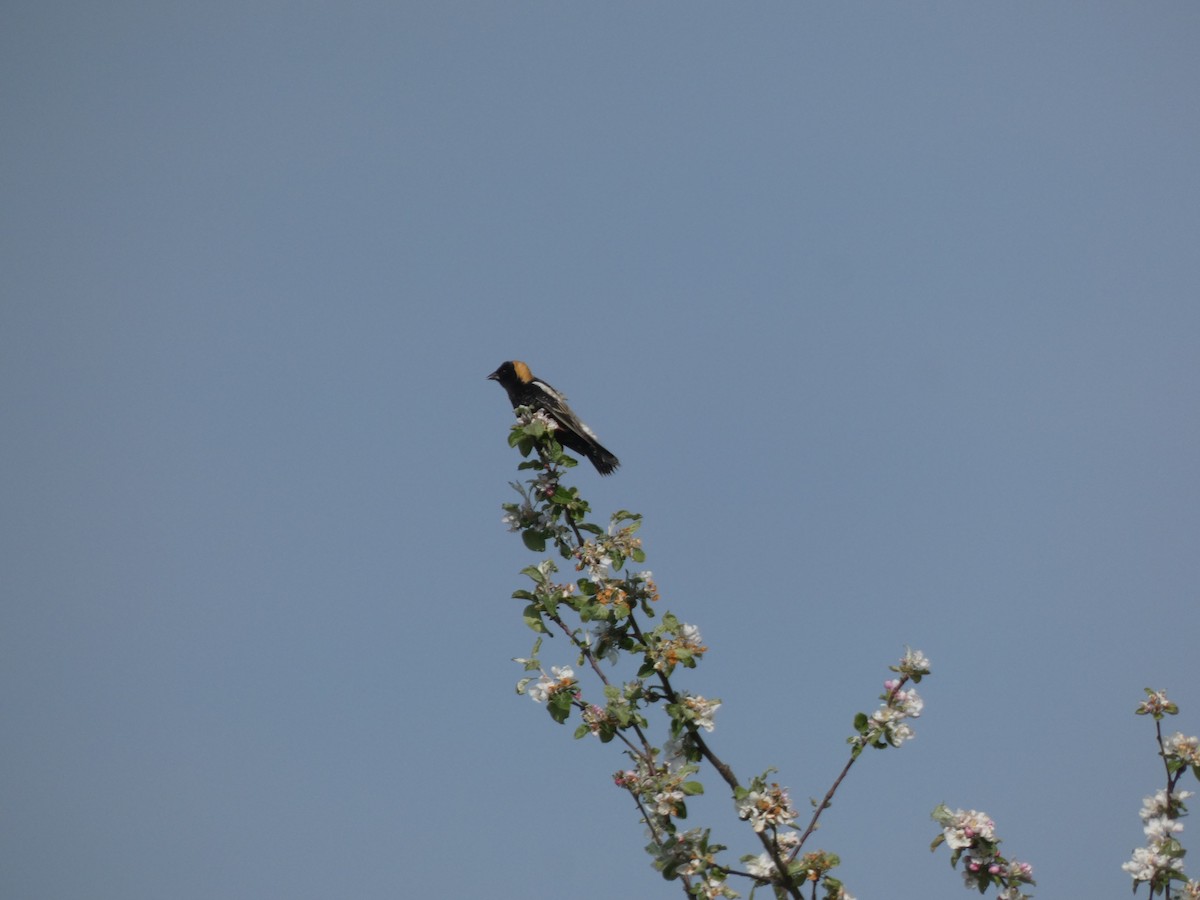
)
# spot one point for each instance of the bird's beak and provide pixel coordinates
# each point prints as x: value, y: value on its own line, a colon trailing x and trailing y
x: 495, y: 376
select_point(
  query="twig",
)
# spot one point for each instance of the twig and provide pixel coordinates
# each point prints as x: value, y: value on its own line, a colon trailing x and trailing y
x: 726, y: 772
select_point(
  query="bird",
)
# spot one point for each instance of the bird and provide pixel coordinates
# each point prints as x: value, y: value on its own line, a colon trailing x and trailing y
x: 526, y: 390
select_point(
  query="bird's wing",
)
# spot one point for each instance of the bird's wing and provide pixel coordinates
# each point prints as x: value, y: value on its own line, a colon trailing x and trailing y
x: 562, y: 411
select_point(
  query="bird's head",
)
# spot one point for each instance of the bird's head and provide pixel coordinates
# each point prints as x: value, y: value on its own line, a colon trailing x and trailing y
x: 512, y: 373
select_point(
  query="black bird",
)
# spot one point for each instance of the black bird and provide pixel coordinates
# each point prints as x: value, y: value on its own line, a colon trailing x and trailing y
x: 525, y: 390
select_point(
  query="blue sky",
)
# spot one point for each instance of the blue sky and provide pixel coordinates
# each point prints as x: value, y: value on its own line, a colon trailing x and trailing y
x: 891, y: 313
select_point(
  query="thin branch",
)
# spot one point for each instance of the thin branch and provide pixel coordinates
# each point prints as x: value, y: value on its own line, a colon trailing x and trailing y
x: 825, y: 803
x: 583, y: 648
x: 587, y: 654
x: 722, y: 768
x: 784, y: 880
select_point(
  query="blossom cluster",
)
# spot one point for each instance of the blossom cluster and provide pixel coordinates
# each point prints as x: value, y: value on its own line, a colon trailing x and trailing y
x: 889, y: 721
x: 1184, y: 748
x: 766, y: 807
x: 1156, y: 704
x: 968, y: 828
x: 611, y: 549
x: 537, y: 524
x: 914, y: 665
x: 529, y: 416
x: 700, y: 711
x: 687, y: 852
x: 562, y: 678
x: 676, y: 643
x: 888, y: 725
x: 661, y: 790
x: 549, y: 593
x: 1159, y: 863
x: 519, y: 516
x: 971, y: 837
x: 762, y: 866
x: 595, y: 557
x: 620, y: 595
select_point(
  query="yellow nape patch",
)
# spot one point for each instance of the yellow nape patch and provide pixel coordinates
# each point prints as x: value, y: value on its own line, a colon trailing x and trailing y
x: 522, y: 371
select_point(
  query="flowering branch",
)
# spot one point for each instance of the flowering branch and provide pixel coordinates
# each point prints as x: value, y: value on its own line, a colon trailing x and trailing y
x: 971, y: 836
x: 886, y: 727
x: 607, y: 598
x: 1160, y: 863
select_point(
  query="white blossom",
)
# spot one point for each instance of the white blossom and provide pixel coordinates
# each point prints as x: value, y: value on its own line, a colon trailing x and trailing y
x: 914, y: 662
x: 666, y: 803
x: 1160, y: 829
x: 761, y: 866
x: 1145, y: 863
x: 769, y: 808
x: 1183, y: 747
x: 702, y: 711
x: 967, y: 827
x: 561, y: 678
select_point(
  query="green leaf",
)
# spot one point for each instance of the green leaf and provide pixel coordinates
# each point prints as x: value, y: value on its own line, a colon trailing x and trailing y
x: 534, y: 540
x: 624, y: 515
x: 534, y: 573
x: 860, y: 723
x: 533, y: 618
x: 559, y: 706
x: 639, y: 555
x: 691, y: 788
